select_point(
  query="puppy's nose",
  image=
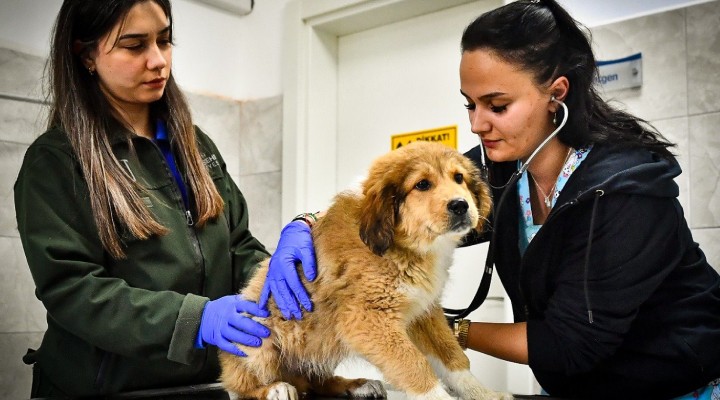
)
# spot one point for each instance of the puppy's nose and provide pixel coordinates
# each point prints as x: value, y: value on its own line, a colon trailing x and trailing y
x: 458, y: 206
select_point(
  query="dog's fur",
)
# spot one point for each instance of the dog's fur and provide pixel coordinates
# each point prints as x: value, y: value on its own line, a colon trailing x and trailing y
x: 383, y: 257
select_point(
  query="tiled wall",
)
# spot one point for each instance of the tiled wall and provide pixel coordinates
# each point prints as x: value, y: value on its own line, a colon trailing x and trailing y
x: 248, y: 135
x: 680, y: 96
x: 22, y: 316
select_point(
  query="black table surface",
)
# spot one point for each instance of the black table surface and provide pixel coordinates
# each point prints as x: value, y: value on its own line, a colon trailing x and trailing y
x: 216, y: 392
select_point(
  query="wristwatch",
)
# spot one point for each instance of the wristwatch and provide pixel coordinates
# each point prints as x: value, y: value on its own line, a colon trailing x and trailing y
x: 460, y: 331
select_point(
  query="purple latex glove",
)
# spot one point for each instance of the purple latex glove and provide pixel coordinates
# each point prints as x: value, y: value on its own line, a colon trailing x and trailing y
x: 223, y: 324
x: 283, y: 280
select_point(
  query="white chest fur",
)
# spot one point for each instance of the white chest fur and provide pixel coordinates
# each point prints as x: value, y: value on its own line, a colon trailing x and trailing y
x: 422, y: 295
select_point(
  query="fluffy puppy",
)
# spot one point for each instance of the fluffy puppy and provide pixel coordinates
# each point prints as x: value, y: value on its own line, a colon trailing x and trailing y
x: 383, y: 257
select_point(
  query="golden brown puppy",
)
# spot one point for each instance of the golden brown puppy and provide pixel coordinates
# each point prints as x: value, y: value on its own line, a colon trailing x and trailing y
x: 383, y: 257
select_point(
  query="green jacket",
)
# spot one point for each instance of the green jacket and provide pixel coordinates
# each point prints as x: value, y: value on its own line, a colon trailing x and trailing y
x: 120, y: 325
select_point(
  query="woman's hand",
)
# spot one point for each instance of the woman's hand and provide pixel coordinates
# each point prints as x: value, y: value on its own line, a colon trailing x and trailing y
x: 283, y: 280
x: 223, y: 324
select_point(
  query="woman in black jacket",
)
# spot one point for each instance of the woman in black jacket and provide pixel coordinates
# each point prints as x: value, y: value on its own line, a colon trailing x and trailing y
x: 611, y: 296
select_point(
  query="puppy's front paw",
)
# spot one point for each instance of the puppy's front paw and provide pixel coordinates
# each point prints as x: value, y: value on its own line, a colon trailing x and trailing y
x: 464, y: 385
x: 371, y: 390
x: 481, y: 393
x: 437, y: 393
x: 282, y: 391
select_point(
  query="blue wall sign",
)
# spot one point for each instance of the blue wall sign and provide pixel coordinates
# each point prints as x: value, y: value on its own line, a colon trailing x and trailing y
x: 623, y: 73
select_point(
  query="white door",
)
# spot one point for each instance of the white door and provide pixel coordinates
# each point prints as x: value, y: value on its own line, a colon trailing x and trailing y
x: 362, y: 87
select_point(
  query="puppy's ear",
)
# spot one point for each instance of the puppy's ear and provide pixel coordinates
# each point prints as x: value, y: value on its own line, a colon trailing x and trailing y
x: 481, y: 192
x: 378, y: 216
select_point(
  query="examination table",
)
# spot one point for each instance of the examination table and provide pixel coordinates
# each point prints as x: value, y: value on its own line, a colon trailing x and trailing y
x: 215, y: 392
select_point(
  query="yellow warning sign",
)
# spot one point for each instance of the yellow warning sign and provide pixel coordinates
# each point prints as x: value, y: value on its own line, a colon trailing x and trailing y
x: 446, y: 135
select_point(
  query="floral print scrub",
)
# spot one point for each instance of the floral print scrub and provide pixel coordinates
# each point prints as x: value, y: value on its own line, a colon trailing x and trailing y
x: 526, y: 219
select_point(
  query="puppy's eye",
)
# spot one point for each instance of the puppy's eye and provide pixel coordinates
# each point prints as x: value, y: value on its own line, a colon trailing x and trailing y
x: 458, y: 178
x: 423, y: 185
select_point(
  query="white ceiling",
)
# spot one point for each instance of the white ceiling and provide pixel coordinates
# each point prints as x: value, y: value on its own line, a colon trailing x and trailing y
x: 592, y: 13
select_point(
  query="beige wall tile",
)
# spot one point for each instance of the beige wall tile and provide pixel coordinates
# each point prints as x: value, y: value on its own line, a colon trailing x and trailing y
x: 703, y: 57
x: 263, y: 194
x: 21, y: 122
x: 21, y: 74
x: 21, y: 311
x: 11, y: 156
x: 260, y: 141
x: 704, y: 171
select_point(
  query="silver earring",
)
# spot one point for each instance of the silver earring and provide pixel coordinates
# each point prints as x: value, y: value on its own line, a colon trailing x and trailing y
x: 555, y: 118
x: 91, y: 71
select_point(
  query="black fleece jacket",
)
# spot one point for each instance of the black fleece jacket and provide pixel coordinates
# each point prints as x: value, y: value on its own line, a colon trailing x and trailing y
x: 619, y: 300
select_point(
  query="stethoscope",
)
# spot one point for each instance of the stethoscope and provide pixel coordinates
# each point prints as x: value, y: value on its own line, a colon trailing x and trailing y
x: 484, y: 287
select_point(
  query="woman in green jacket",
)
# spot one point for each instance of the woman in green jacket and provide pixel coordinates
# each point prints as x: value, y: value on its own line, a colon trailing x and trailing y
x: 135, y: 234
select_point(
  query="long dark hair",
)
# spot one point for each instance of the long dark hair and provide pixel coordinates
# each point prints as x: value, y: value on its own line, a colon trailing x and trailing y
x: 79, y: 107
x: 542, y: 38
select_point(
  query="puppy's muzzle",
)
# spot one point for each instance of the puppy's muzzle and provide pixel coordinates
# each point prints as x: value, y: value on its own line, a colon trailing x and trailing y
x: 458, y: 206
x: 459, y: 216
